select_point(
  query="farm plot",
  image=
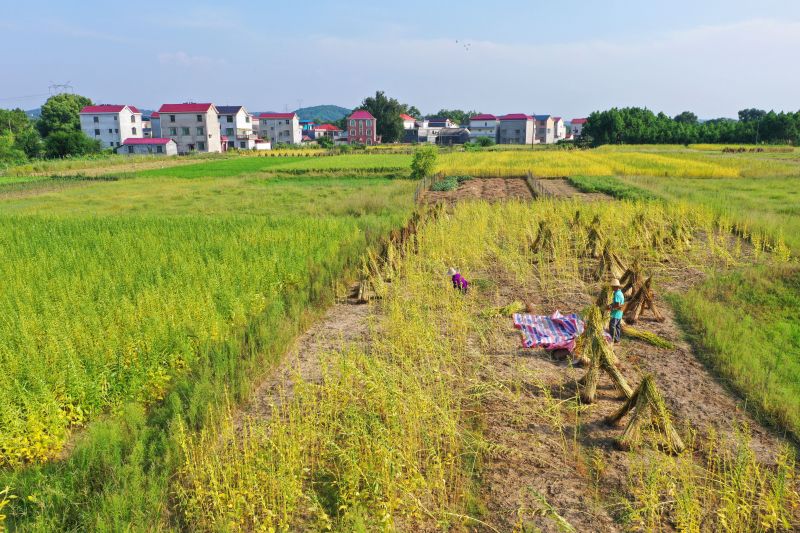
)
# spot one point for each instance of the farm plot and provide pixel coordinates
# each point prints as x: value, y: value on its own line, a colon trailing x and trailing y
x: 438, y: 422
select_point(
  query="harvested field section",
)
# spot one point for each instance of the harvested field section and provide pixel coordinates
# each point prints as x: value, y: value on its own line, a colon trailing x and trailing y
x: 489, y: 189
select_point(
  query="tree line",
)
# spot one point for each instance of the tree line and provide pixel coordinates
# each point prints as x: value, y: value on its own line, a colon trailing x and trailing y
x: 635, y: 125
x: 56, y: 133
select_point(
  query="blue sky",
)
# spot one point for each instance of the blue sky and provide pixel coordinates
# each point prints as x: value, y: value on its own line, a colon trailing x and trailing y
x: 713, y: 57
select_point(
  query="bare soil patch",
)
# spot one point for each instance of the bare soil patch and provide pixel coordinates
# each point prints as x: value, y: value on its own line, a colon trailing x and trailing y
x: 578, y: 468
x: 489, y: 189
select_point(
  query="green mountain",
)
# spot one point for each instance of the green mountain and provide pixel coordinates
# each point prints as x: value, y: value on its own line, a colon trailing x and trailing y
x: 325, y: 113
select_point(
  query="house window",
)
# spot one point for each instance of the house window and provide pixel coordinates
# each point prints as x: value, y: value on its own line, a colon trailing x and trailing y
x: 115, y: 117
x: 172, y: 118
x: 133, y: 131
x: 229, y: 131
x: 184, y: 131
x: 352, y: 132
x: 352, y: 122
x: 242, y: 144
x: 116, y: 130
x: 109, y: 130
x: 173, y: 131
x: 96, y: 120
x: 130, y: 149
x: 111, y: 143
x: 200, y: 130
x: 159, y: 149
x: 247, y: 118
x: 97, y: 132
x: 133, y: 118
x: 287, y: 122
x: 230, y: 118
x: 199, y: 118
x: 201, y: 145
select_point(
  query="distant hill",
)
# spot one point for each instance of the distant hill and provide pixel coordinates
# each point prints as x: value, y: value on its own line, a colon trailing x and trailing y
x: 326, y: 113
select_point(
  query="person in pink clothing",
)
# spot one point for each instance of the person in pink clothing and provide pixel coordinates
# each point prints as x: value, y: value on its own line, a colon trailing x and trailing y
x: 459, y: 283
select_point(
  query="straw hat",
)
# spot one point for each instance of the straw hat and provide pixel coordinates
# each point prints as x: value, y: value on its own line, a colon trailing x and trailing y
x: 452, y: 272
x: 615, y: 283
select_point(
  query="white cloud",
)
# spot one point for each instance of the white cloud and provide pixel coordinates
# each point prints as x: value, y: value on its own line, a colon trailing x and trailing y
x: 187, y: 60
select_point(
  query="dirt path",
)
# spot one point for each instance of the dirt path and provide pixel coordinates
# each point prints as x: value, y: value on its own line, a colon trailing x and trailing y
x: 344, y: 324
x: 558, y: 455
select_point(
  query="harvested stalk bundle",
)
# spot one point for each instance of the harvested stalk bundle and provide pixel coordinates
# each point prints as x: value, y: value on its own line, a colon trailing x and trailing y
x: 506, y: 310
x: 646, y: 336
x: 576, y: 220
x: 643, y: 300
x: 632, y: 279
x: 604, y: 298
x: 544, y: 240
x: 595, y: 348
x: 610, y: 265
x: 648, y: 408
x: 594, y: 241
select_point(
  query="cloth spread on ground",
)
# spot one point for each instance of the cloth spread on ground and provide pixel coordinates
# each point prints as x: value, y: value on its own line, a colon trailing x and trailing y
x: 556, y: 332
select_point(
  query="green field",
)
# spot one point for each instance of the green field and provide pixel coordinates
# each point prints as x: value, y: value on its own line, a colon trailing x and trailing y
x: 156, y: 293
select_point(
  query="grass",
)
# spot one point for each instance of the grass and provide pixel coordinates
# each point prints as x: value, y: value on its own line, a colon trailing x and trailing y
x: 609, y: 185
x: 747, y: 325
x: 767, y: 205
x: 135, y: 305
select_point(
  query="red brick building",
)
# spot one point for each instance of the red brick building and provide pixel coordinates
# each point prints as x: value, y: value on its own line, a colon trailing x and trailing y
x: 361, y: 128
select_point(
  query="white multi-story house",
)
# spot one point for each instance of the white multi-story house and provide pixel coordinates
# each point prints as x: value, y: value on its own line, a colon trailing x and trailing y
x: 409, y: 122
x: 193, y: 127
x: 236, y: 124
x: 576, y: 126
x: 280, y: 128
x: 484, y: 125
x: 559, y: 129
x: 111, y: 124
x: 545, y: 129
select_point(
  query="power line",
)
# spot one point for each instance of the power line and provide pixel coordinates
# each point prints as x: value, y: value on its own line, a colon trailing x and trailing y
x: 24, y: 97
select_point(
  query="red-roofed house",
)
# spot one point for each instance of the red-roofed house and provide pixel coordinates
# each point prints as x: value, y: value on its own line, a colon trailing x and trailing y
x: 483, y: 125
x: 576, y: 126
x: 156, y: 146
x: 111, y: 124
x: 409, y: 122
x: 193, y: 127
x: 283, y: 128
x: 326, y: 130
x: 516, y: 128
x: 361, y: 128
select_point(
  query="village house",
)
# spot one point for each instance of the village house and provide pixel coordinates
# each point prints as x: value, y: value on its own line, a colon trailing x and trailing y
x: 484, y: 125
x: 326, y: 130
x: 516, y: 128
x: 559, y: 129
x: 111, y: 124
x: 441, y: 122
x: 236, y: 124
x: 545, y: 129
x: 280, y: 128
x: 155, y: 124
x: 451, y: 136
x: 576, y: 126
x: 148, y: 145
x: 409, y: 122
x: 361, y: 128
x: 193, y: 127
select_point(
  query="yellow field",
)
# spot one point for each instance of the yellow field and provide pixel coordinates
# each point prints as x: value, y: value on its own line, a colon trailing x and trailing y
x: 677, y: 162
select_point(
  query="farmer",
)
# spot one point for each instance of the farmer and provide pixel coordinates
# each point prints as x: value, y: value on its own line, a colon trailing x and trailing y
x: 615, y: 325
x: 459, y: 283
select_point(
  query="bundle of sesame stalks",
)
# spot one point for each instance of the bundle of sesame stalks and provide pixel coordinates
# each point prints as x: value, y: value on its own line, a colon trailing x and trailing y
x: 506, y: 310
x: 647, y: 336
